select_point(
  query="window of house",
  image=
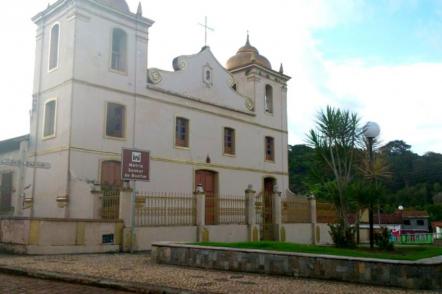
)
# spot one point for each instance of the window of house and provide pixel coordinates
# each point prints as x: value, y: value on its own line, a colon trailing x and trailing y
x: 229, y: 141
x: 115, y: 120
x: 268, y: 99
x: 407, y: 222
x: 119, y: 50
x: 269, y: 149
x: 182, y: 132
x: 420, y: 222
x: 49, y: 118
x: 111, y: 174
x: 53, y: 46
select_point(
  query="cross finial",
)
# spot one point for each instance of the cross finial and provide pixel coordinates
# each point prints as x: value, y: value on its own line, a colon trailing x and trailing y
x: 247, y: 41
x: 206, y: 27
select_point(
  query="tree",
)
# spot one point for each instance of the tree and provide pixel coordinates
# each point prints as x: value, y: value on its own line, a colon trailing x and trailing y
x: 335, y: 139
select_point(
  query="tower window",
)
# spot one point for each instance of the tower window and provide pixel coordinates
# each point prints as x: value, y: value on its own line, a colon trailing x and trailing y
x: 49, y: 118
x: 229, y: 141
x: 269, y: 149
x: 182, y: 132
x: 115, y: 120
x: 54, y: 46
x: 119, y: 50
x: 268, y: 99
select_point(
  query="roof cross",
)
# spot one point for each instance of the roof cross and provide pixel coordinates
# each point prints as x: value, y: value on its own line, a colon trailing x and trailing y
x: 206, y: 27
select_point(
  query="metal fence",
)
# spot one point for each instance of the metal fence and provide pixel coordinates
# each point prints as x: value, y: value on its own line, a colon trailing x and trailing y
x: 225, y: 209
x: 295, y: 210
x: 110, y: 204
x: 232, y: 209
x: 263, y: 208
x: 421, y: 238
x: 326, y: 213
x: 165, y: 209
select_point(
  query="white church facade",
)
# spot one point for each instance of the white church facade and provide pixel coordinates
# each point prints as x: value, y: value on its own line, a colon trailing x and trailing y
x: 224, y: 127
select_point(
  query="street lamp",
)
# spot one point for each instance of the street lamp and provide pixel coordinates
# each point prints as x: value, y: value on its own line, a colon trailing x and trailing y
x: 371, y: 131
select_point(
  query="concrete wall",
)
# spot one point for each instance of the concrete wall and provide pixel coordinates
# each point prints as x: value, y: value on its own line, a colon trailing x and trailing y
x: 145, y: 236
x: 405, y: 274
x: 55, y: 236
x: 227, y: 233
x: 324, y: 236
x: 298, y: 233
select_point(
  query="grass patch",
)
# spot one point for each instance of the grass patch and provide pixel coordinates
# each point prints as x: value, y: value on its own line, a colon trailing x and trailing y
x: 399, y: 253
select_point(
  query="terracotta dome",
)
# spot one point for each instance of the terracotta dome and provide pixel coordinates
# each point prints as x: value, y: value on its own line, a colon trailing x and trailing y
x: 247, y: 55
x: 116, y: 4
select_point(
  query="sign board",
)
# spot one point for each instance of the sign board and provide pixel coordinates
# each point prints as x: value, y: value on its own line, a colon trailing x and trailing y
x: 36, y: 164
x: 135, y: 165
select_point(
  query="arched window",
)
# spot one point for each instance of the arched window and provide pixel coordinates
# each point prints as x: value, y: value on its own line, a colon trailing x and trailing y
x: 268, y: 99
x: 50, y: 111
x: 54, y: 46
x: 115, y: 120
x: 119, y: 50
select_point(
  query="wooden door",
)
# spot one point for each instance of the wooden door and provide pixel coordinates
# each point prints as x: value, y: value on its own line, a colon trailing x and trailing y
x: 208, y: 180
x: 111, y: 175
x: 6, y: 192
x: 267, y: 217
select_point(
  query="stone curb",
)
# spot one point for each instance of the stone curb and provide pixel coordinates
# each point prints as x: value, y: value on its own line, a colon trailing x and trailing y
x: 95, y: 282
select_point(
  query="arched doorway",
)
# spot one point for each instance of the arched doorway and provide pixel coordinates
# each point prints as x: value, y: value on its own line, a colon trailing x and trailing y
x: 267, y: 210
x: 208, y: 179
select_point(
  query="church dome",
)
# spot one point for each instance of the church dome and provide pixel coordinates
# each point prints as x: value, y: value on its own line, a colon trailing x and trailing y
x: 116, y: 4
x: 246, y: 55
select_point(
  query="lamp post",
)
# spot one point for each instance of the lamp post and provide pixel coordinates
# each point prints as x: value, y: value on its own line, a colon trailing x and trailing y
x: 371, y: 131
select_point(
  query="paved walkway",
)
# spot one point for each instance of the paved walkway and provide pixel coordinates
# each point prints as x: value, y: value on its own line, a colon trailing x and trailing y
x: 138, y: 268
x: 23, y: 285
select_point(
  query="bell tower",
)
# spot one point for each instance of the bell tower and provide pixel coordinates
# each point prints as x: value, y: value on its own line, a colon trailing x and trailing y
x: 86, y: 52
x: 254, y: 78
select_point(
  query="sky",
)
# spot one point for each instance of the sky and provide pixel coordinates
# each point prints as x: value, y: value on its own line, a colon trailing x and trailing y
x: 379, y: 58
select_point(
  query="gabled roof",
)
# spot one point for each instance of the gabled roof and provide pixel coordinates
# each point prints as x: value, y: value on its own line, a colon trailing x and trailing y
x: 436, y: 224
x: 12, y: 144
x: 200, y: 77
x: 414, y: 213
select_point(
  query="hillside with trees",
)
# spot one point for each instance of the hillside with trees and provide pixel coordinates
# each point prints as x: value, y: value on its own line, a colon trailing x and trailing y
x: 415, y: 181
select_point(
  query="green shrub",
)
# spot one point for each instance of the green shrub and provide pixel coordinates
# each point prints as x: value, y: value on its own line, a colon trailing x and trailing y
x: 343, y: 236
x: 382, y: 239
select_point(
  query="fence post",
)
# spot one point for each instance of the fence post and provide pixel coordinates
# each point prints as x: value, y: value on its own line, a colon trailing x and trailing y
x: 313, y: 219
x: 124, y: 214
x: 277, y: 214
x: 202, y: 232
x: 252, y: 228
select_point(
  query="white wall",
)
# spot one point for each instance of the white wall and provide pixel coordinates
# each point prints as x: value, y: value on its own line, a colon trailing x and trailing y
x: 145, y: 236
x: 298, y: 233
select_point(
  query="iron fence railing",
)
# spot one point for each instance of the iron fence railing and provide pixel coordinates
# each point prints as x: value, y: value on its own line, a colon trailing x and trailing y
x: 325, y: 213
x: 295, y: 210
x: 165, y: 209
x: 231, y: 209
x: 225, y: 209
x: 110, y: 206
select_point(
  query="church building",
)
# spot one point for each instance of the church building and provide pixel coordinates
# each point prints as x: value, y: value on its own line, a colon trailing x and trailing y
x: 221, y: 126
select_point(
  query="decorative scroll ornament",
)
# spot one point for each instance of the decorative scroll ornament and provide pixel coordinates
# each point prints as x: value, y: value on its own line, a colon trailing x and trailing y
x: 179, y: 63
x: 154, y: 76
x: 249, y: 104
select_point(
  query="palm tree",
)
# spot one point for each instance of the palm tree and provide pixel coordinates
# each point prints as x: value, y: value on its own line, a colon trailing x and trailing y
x: 335, y: 139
